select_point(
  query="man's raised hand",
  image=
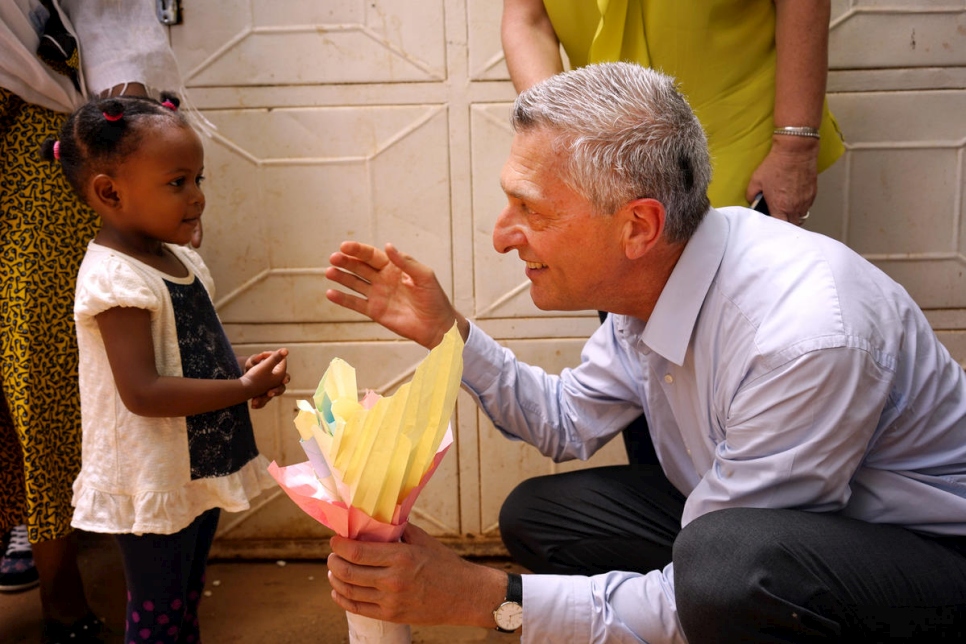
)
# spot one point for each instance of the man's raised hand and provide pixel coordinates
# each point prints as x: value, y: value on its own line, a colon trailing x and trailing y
x: 393, y: 289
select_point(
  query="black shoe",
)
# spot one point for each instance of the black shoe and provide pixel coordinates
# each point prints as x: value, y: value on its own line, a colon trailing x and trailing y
x: 17, y: 569
x: 86, y: 630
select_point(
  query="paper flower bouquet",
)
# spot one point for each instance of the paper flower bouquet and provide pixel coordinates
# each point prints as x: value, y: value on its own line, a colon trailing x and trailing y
x: 369, y: 459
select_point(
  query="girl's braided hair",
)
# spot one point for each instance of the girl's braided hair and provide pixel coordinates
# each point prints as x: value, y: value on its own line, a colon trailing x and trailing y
x: 100, y: 134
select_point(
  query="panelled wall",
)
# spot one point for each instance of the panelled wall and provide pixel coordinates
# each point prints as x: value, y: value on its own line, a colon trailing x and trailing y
x: 386, y: 120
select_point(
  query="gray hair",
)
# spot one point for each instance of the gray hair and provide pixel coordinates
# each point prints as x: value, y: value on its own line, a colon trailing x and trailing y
x: 629, y: 134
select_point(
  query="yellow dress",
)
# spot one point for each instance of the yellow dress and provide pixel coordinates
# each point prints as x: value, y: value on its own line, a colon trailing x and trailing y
x: 722, y: 53
x: 44, y: 230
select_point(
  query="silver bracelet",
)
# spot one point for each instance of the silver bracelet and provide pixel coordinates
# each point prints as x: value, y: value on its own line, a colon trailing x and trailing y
x: 810, y: 132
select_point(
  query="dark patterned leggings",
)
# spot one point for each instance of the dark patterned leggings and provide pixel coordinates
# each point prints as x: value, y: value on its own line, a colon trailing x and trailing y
x: 165, y: 578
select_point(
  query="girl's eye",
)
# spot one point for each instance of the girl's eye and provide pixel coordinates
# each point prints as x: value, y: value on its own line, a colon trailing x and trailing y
x: 200, y: 179
x: 177, y: 183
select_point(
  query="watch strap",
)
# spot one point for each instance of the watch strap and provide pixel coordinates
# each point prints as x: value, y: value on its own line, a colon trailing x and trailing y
x: 514, y: 588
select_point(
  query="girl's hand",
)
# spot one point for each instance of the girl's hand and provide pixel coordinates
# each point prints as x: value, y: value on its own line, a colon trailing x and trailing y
x: 266, y: 372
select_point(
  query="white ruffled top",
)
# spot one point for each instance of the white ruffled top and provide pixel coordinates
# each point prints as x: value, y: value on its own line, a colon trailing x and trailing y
x: 135, y: 475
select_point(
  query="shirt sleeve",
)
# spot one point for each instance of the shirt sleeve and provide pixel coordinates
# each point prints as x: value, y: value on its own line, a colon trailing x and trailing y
x: 797, y: 442
x: 565, y: 417
x: 620, y: 607
x: 112, y: 283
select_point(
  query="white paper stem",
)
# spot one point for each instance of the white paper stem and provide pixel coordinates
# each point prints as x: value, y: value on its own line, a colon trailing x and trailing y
x: 365, y: 630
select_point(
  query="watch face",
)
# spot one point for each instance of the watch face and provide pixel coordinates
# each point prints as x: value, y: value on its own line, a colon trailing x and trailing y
x: 509, y: 616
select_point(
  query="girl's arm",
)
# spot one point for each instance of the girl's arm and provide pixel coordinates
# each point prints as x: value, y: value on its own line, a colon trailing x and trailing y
x: 130, y: 350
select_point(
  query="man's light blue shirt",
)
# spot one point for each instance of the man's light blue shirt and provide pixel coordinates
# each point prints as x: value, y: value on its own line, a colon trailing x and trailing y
x: 779, y: 369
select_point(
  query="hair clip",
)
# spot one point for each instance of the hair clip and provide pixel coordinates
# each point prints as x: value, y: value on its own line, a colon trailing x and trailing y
x: 114, y: 117
x: 57, y: 150
x: 171, y: 106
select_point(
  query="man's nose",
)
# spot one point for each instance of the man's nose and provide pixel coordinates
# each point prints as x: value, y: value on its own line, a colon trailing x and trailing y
x: 507, y: 232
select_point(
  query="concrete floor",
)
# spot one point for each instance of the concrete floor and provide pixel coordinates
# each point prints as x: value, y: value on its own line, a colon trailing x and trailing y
x: 246, y: 602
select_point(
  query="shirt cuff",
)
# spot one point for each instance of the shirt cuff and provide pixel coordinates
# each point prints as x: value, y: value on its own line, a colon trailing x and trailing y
x: 556, y: 608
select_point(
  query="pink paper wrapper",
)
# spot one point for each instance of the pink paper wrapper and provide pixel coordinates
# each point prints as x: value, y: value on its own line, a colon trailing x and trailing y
x: 303, y: 487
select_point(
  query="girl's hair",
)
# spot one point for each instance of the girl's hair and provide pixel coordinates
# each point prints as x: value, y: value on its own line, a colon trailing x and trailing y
x: 100, y: 134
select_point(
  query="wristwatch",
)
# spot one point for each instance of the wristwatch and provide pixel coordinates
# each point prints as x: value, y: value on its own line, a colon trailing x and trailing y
x: 509, y: 614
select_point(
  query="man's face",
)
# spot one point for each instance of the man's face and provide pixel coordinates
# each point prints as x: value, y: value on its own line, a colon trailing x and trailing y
x: 572, y: 255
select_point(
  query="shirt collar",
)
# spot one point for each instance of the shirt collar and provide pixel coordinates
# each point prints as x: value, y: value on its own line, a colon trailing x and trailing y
x: 668, y: 331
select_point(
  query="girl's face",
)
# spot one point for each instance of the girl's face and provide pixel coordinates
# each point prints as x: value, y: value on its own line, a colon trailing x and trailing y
x: 160, y: 185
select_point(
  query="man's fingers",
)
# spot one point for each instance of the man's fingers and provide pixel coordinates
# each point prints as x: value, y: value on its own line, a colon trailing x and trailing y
x: 371, y: 554
x: 351, y: 302
x: 357, y: 590
x: 353, y: 581
x: 364, y: 253
x: 408, y: 264
x: 415, y: 535
x: 349, y: 279
x: 344, y: 576
x: 348, y: 595
x: 359, y: 608
x: 353, y: 266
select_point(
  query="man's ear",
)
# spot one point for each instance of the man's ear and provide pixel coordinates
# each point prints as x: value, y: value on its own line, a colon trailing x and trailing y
x: 643, y: 226
x: 104, y: 192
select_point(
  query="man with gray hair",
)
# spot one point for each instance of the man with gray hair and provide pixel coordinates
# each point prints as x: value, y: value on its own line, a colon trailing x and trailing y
x: 808, y: 473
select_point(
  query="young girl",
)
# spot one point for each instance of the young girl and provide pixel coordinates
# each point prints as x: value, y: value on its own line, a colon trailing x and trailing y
x: 167, y: 438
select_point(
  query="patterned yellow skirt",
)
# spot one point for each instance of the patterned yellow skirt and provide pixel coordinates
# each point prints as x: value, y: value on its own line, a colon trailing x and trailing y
x: 44, y: 230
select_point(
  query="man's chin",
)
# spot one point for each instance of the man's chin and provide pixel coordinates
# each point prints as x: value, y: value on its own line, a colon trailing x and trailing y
x: 546, y: 304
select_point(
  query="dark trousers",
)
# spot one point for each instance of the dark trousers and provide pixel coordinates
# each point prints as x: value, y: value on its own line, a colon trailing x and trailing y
x: 165, y: 576
x: 743, y: 575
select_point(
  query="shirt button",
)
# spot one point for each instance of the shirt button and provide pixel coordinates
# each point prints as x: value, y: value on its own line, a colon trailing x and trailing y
x: 668, y: 378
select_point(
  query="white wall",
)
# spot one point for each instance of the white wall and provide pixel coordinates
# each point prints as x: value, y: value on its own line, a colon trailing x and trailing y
x: 386, y: 120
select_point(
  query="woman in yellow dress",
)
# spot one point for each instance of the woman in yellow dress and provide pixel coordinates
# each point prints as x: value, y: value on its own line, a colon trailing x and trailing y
x: 53, y: 55
x: 754, y: 71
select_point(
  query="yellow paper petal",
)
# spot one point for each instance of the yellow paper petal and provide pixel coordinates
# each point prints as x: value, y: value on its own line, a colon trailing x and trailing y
x: 306, y: 420
x: 377, y: 463
x: 325, y: 440
x: 380, y: 454
x: 337, y: 383
x: 442, y: 370
x: 350, y: 442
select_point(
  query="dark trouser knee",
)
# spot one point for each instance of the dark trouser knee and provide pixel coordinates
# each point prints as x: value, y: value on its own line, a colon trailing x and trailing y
x: 758, y: 575
x: 516, y: 527
x: 708, y: 562
x: 734, y: 580
x: 592, y: 521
